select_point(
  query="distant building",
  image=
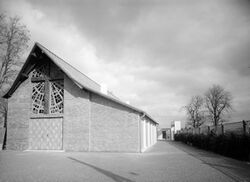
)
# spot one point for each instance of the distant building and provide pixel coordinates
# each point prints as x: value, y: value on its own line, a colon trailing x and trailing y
x: 175, y: 127
x: 164, y: 134
x: 53, y: 106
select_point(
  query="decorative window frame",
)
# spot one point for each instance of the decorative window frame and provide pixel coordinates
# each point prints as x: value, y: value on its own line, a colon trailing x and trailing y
x: 47, y: 90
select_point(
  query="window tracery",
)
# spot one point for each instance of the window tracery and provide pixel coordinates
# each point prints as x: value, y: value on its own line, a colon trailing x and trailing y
x: 56, y: 94
x: 48, y: 89
x: 40, y: 71
x: 38, y: 98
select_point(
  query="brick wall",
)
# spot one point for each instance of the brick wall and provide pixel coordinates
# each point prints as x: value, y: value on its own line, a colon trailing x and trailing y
x: 76, y: 117
x: 18, y: 117
x: 113, y: 127
x: 89, y: 124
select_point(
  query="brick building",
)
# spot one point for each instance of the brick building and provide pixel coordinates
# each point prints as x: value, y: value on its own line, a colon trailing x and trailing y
x: 53, y: 106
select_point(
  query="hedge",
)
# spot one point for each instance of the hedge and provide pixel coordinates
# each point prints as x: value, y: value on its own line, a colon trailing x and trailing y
x: 230, y: 145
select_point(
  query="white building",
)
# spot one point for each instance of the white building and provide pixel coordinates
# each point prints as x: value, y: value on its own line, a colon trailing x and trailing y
x: 175, y: 127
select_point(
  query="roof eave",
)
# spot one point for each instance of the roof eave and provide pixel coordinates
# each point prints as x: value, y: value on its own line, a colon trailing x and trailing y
x: 120, y: 102
x: 20, y: 77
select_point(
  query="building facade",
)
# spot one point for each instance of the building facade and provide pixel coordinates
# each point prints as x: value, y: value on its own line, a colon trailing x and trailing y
x: 52, y: 106
x: 164, y: 134
x: 175, y: 127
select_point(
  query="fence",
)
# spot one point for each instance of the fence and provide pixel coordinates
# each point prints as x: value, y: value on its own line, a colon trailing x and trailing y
x: 240, y: 127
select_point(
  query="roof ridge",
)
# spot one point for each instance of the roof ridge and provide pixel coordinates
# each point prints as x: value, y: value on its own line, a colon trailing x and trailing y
x: 37, y: 43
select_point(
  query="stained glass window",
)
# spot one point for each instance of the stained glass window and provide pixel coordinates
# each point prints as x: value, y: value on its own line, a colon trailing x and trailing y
x: 40, y: 71
x: 47, y: 91
x: 56, y: 94
x: 38, y: 98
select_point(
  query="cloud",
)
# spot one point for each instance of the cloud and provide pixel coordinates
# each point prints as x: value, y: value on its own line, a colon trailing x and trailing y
x: 155, y: 54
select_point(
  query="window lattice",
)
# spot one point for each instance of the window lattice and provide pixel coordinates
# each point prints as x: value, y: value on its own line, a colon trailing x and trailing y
x: 47, y: 93
x: 38, y: 98
x: 40, y: 71
x: 56, y: 94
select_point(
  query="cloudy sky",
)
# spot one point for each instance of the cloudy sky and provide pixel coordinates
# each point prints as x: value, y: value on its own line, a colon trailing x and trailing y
x: 154, y: 54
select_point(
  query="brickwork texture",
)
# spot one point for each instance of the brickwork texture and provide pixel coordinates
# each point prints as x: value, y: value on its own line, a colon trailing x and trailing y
x: 90, y: 122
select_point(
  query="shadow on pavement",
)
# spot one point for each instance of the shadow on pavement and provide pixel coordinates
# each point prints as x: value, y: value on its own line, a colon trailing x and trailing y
x: 236, y: 170
x: 109, y: 174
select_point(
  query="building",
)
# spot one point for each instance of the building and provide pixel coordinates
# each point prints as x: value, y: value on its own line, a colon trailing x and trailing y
x: 164, y: 134
x: 53, y: 106
x: 175, y: 127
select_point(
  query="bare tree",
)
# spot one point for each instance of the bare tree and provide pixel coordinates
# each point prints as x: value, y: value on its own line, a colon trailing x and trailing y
x: 194, y: 111
x: 218, y: 101
x: 14, y: 38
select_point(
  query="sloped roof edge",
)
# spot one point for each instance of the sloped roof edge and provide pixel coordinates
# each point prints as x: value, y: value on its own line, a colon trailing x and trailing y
x: 73, y: 74
x: 78, y: 77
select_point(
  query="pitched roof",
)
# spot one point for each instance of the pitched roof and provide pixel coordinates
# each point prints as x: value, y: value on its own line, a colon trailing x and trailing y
x: 80, y: 79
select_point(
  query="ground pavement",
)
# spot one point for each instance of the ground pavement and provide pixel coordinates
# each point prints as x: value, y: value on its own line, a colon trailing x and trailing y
x: 165, y: 161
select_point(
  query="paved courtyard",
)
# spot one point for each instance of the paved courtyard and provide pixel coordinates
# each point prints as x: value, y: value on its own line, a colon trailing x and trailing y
x: 165, y: 161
